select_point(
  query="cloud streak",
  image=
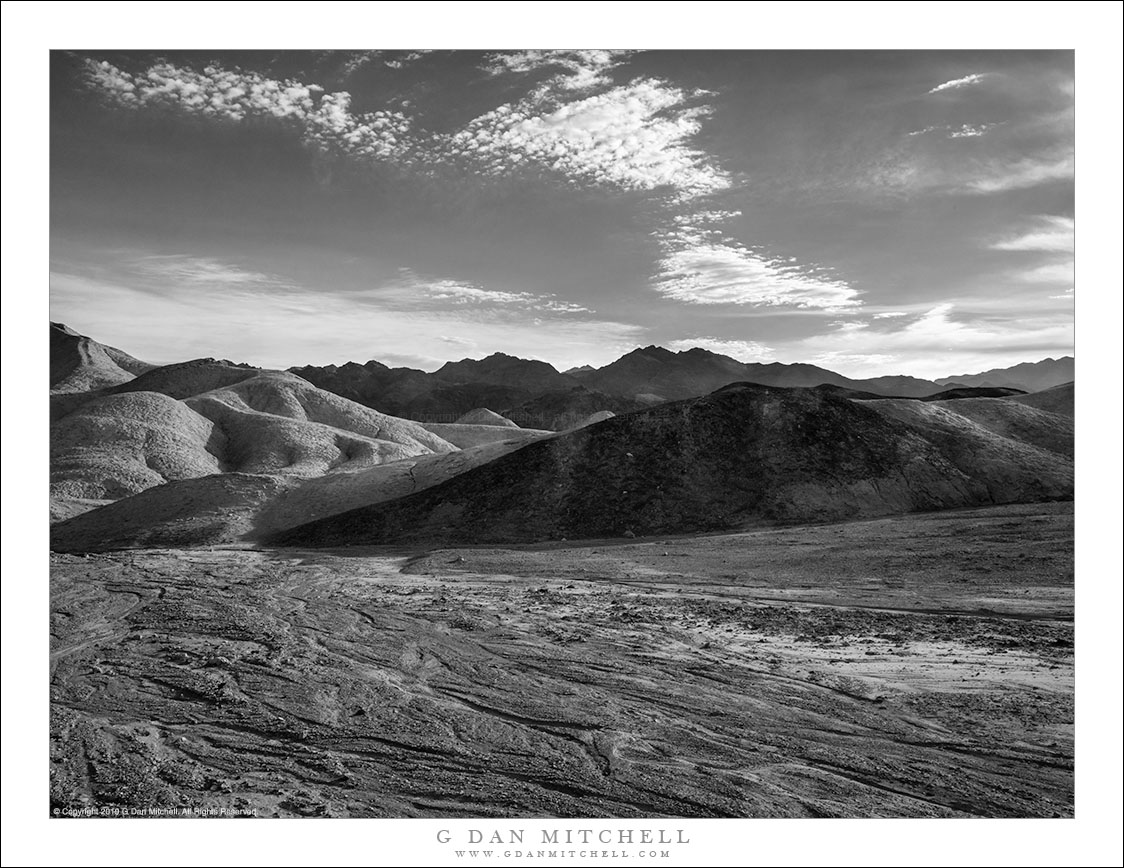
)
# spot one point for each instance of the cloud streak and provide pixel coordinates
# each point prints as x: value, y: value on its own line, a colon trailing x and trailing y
x: 958, y: 83
x: 699, y: 266
x: 1045, y: 234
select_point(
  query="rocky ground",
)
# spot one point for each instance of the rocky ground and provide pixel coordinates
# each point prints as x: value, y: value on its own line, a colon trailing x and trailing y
x: 911, y: 666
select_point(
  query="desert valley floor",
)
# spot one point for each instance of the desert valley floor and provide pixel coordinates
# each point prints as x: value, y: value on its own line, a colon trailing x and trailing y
x: 918, y: 665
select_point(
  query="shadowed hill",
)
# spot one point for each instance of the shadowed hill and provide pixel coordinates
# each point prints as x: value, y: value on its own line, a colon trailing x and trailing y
x: 1058, y: 399
x: 81, y: 364
x: 1016, y: 421
x: 1011, y: 470
x: 964, y: 392
x: 743, y: 454
x: 561, y: 410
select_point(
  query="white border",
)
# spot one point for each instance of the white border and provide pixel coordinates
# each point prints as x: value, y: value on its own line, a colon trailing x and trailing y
x: 1092, y: 29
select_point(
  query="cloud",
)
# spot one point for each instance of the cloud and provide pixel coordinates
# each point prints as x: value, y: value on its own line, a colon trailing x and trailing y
x: 1050, y: 272
x: 411, y: 290
x: 964, y: 131
x: 201, y: 270
x: 165, y: 321
x: 580, y: 69
x: 698, y: 266
x: 743, y: 351
x: 957, y: 83
x: 324, y: 119
x: 633, y: 137
x: 970, y: 131
x: 933, y: 343
x: 1046, y: 234
x: 1026, y: 172
x: 835, y: 358
x: 890, y: 314
x: 1047, y: 241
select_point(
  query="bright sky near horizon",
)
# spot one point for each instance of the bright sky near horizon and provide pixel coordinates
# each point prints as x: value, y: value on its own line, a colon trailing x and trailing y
x: 871, y: 212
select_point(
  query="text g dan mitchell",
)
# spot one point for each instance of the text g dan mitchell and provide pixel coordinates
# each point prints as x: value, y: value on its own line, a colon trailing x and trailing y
x: 565, y: 836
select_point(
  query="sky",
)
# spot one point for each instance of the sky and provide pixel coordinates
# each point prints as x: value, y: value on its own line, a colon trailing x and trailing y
x: 872, y: 212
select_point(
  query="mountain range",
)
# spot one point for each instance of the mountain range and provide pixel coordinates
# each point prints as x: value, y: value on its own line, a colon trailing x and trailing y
x: 536, y: 394
x: 211, y: 451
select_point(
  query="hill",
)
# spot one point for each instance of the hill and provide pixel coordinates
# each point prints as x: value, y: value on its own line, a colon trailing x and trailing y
x: 744, y: 454
x: 560, y: 410
x: 959, y: 392
x: 468, y: 436
x: 484, y: 416
x: 118, y: 444
x: 81, y: 364
x: 1056, y: 399
x: 241, y: 507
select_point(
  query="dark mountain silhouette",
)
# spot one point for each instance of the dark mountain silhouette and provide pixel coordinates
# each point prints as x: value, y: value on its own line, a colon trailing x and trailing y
x: 658, y: 374
x: 1028, y: 376
x: 742, y: 455
x: 500, y: 369
x: 974, y: 392
x: 414, y: 394
x: 538, y: 392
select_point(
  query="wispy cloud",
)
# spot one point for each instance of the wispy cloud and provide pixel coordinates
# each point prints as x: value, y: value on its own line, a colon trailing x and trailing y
x: 958, y: 83
x: 1048, y: 234
x: 743, y: 351
x: 964, y: 131
x: 1031, y: 171
x: 411, y: 289
x: 1051, y: 272
x: 934, y: 342
x: 203, y: 270
x: 699, y: 266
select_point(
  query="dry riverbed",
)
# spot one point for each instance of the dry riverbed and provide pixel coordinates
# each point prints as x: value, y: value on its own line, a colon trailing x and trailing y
x: 914, y: 666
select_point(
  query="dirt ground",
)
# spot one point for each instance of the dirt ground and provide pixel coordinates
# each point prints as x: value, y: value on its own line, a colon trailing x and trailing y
x: 913, y: 666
